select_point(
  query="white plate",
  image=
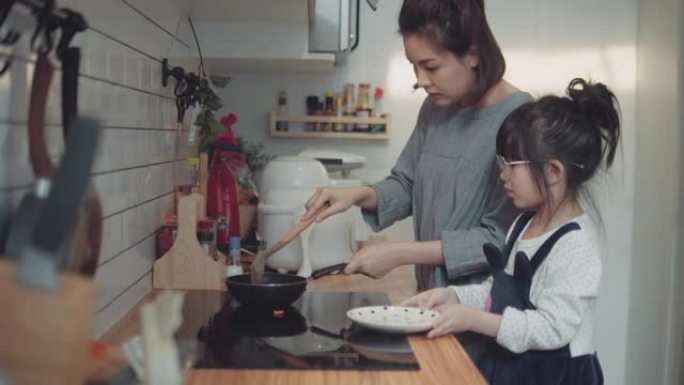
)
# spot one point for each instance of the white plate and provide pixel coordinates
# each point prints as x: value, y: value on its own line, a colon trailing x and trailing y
x: 393, y: 319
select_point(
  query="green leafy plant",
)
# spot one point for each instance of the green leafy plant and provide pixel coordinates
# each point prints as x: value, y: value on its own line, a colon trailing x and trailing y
x: 209, y: 126
x: 253, y: 154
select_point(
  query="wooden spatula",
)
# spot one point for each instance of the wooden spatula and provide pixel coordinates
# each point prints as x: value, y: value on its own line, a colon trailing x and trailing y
x: 257, y: 269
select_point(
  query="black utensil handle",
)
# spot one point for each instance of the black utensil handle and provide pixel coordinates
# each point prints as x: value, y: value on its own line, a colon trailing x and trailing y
x: 327, y: 270
x: 59, y: 216
x: 71, y: 59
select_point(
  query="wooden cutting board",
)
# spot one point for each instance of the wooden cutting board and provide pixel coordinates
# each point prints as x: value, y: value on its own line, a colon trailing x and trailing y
x: 45, y: 336
x: 186, y: 266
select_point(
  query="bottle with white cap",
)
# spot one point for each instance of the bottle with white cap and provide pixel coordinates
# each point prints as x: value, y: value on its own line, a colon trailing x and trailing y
x: 234, y: 265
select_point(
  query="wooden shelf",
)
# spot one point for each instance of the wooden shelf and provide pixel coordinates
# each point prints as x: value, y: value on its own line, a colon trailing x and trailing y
x: 296, y: 132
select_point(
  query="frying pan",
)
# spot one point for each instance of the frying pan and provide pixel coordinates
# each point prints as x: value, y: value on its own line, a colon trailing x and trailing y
x: 275, y: 290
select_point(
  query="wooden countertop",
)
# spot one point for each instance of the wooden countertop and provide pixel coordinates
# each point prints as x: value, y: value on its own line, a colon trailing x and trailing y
x: 442, y: 360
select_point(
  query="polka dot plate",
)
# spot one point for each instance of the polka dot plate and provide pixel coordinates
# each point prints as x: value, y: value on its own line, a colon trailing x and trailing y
x: 393, y: 319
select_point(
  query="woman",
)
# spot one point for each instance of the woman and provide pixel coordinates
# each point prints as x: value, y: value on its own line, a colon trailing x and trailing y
x: 446, y: 175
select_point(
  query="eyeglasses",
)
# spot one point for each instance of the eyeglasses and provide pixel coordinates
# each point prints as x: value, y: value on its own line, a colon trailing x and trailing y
x: 506, y: 165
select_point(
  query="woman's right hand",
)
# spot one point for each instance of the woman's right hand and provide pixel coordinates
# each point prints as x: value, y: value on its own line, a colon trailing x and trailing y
x: 436, y: 299
x: 338, y: 199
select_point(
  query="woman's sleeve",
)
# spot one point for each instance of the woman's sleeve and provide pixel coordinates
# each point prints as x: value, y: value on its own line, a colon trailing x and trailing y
x: 462, y: 249
x: 569, y: 286
x: 395, y: 193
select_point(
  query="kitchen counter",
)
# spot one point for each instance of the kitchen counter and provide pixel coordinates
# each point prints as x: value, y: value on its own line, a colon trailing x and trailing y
x: 441, y: 360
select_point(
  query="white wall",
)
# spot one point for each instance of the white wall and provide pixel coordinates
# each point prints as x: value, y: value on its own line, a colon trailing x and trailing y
x: 654, y: 352
x: 141, y: 149
x: 546, y: 44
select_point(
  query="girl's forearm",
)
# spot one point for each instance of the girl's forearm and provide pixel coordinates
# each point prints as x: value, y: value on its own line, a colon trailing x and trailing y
x: 483, y: 322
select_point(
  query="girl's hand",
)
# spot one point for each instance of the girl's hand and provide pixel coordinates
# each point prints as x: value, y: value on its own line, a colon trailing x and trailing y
x: 454, y: 318
x: 374, y: 260
x: 338, y: 198
x: 436, y: 299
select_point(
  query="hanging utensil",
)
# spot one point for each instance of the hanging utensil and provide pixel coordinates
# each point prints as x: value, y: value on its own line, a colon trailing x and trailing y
x: 26, y: 216
x: 41, y: 257
x: 85, y: 251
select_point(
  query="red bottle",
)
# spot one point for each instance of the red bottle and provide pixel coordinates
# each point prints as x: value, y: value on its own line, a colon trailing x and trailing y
x: 222, y: 198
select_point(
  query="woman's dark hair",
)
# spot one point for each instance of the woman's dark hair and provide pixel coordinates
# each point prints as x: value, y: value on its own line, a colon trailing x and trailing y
x: 580, y: 130
x: 457, y: 26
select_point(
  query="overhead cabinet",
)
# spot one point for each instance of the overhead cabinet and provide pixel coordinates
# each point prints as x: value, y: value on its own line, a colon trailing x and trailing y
x: 273, y: 35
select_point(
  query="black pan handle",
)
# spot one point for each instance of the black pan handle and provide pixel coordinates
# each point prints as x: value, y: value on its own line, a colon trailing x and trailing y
x: 328, y: 270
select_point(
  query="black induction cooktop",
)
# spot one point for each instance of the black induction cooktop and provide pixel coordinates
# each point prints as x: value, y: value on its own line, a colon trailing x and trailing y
x: 313, y: 333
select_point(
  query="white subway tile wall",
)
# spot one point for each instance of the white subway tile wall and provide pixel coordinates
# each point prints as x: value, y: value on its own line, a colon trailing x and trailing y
x: 142, y: 150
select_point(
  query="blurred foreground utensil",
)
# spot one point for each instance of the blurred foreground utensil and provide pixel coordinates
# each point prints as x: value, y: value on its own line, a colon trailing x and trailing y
x: 40, y: 259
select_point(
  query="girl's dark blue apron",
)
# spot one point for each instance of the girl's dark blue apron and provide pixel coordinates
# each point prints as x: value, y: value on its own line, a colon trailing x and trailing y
x: 501, y: 366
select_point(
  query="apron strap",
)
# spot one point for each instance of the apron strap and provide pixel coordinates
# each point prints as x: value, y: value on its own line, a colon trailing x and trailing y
x: 517, y: 229
x: 546, y: 247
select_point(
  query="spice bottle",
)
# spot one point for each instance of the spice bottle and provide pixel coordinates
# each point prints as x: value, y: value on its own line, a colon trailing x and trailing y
x: 337, y: 127
x: 234, y: 266
x: 329, y: 109
x: 348, y: 104
x: 282, y: 111
x: 363, y: 107
x: 311, y: 108
x: 206, y: 237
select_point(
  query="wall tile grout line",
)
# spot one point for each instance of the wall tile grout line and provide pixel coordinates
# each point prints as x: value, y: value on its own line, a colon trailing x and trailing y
x: 141, y: 13
x: 122, y: 292
x: 91, y: 77
x: 113, y: 83
x: 100, y: 173
x: 137, y: 205
x: 126, y: 249
x: 106, y: 127
x: 123, y: 43
x: 11, y: 189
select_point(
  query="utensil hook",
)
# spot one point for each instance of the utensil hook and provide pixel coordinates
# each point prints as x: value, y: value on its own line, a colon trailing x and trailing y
x: 46, y: 24
x: 72, y: 24
x: 12, y: 35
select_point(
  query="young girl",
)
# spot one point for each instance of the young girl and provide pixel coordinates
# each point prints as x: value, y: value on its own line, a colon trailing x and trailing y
x: 538, y: 305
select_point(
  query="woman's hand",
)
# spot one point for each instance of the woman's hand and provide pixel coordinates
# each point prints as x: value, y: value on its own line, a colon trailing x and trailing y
x: 375, y: 260
x: 436, y: 299
x: 339, y: 199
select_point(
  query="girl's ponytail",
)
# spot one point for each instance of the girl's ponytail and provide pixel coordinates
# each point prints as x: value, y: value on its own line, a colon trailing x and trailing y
x: 600, y: 108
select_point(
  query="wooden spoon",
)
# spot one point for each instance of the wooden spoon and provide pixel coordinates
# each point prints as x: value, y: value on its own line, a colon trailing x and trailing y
x: 257, y: 268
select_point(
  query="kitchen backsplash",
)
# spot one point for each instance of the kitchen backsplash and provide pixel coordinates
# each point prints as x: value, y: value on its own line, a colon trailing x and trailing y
x: 142, y: 149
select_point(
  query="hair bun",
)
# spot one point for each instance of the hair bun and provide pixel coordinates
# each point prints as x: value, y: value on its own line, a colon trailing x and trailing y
x: 599, y: 106
x: 588, y: 96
